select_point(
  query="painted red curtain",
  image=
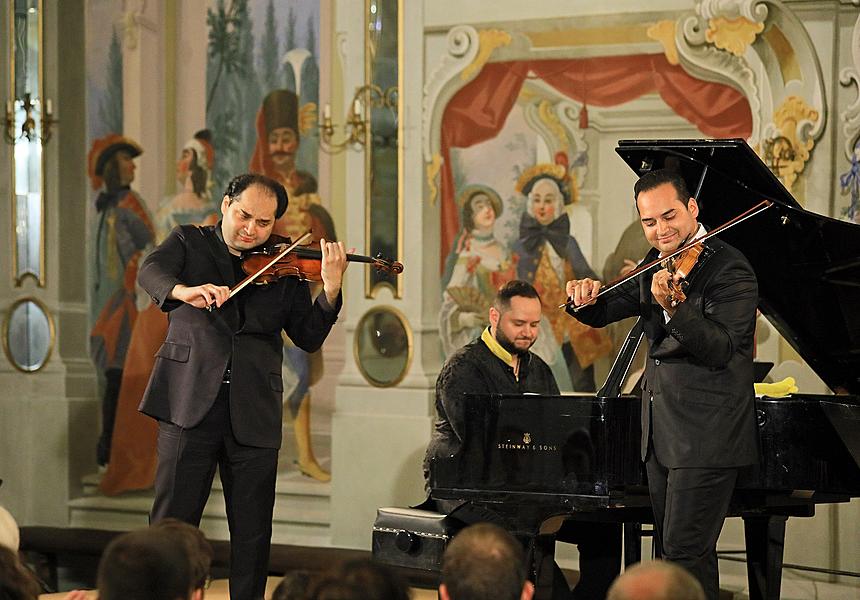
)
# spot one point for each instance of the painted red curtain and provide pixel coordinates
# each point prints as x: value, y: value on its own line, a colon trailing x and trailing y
x: 478, y: 111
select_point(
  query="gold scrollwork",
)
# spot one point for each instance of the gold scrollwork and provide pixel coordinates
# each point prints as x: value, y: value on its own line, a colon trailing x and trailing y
x: 433, y: 168
x: 732, y: 35
x: 550, y: 119
x: 488, y: 41
x: 664, y: 32
x: 792, y: 152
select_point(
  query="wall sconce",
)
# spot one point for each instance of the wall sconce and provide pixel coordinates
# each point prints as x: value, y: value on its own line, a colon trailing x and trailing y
x: 28, y: 126
x: 777, y: 152
x: 357, y: 120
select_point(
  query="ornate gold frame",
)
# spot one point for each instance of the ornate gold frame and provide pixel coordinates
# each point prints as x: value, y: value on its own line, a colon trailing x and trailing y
x: 397, y: 290
x: 51, y: 331
x: 18, y: 278
x: 410, y: 346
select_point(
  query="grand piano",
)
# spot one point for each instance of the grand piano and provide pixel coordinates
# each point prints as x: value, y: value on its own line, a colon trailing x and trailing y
x: 531, y: 462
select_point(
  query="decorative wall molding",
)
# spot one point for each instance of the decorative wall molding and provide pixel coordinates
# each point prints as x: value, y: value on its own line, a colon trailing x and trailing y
x: 850, y: 117
x: 463, y: 43
x: 733, y: 35
x: 133, y: 18
x: 793, y: 121
x: 762, y: 49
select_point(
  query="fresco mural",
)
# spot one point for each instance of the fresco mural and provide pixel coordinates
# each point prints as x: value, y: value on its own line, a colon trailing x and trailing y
x: 516, y: 136
x: 261, y: 96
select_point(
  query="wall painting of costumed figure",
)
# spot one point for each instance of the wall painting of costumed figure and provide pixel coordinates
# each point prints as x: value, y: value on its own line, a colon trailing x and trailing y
x: 260, y: 98
x: 263, y: 93
x: 509, y: 129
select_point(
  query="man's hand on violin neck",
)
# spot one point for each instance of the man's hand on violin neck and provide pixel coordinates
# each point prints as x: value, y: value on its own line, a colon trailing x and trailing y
x: 582, y: 291
x: 661, y: 290
x: 332, y: 267
x: 201, y: 296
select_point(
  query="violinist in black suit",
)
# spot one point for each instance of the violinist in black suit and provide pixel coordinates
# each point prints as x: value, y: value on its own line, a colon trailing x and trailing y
x: 698, y: 415
x: 216, y: 388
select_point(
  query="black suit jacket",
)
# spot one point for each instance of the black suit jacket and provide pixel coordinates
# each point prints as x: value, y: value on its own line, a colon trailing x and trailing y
x: 244, y: 333
x: 699, y: 369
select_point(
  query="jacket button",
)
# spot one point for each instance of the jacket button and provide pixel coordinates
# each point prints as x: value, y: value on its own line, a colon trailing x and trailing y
x: 657, y: 362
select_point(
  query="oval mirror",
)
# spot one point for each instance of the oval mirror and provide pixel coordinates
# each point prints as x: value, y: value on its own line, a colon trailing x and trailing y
x: 28, y: 335
x: 383, y: 346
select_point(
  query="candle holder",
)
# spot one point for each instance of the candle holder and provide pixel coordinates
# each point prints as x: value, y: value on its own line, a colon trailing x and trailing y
x: 28, y: 126
x: 357, y: 123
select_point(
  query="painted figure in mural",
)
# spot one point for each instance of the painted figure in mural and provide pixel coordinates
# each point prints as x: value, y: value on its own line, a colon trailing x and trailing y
x: 698, y: 408
x: 216, y: 387
x: 123, y: 230
x: 279, y: 122
x: 477, y: 267
x: 133, y: 456
x: 547, y: 254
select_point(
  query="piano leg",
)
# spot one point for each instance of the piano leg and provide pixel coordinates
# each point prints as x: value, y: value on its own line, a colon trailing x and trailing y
x: 765, y: 539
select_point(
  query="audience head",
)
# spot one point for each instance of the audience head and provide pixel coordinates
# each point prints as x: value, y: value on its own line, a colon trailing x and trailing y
x: 10, y: 537
x: 484, y: 562
x: 656, y: 580
x: 147, y: 564
x: 294, y: 586
x: 16, y: 582
x: 197, y: 548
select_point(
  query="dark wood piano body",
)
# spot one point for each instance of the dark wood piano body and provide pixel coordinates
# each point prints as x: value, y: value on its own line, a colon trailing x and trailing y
x: 529, y: 459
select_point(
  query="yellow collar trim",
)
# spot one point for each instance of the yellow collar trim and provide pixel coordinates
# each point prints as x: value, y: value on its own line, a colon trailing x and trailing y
x: 496, y: 348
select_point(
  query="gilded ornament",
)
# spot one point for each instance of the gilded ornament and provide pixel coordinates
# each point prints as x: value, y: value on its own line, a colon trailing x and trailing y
x: 664, y: 32
x: 550, y: 119
x: 488, y: 41
x: 732, y: 35
x: 432, y: 171
x: 788, y: 120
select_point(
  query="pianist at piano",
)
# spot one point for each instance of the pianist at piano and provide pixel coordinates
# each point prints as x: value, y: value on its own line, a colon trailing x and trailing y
x: 499, y: 362
x: 698, y: 422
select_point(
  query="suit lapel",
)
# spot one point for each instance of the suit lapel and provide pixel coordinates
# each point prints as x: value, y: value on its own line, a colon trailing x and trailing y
x: 228, y: 315
x: 220, y: 254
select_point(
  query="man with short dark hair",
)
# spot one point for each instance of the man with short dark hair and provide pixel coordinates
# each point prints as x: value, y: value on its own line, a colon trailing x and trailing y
x: 144, y: 564
x: 216, y: 387
x: 499, y: 362
x: 698, y: 419
x: 656, y: 580
x: 196, y: 547
x: 484, y: 562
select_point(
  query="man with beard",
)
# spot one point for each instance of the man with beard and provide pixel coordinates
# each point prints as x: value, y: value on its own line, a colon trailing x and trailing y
x: 500, y: 362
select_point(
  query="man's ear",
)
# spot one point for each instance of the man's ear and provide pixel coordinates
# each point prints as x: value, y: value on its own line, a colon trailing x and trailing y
x: 197, y: 594
x: 443, y: 592
x: 224, y: 204
x: 494, y: 317
x: 693, y: 207
x: 528, y: 590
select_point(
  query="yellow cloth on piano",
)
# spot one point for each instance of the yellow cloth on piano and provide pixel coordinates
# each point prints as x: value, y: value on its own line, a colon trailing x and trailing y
x: 777, y: 388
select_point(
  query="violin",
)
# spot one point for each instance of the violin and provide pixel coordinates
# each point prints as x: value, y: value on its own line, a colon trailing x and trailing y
x: 302, y: 261
x: 683, y: 265
x: 286, y: 258
x: 684, y: 260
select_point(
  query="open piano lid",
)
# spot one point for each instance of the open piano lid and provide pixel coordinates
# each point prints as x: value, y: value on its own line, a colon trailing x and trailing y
x: 808, y: 265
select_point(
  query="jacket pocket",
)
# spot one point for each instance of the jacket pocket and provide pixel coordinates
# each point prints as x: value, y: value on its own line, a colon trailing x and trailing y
x: 276, y: 382
x: 174, y: 351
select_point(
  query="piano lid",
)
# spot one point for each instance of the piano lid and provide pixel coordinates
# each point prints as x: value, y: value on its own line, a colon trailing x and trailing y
x: 808, y: 265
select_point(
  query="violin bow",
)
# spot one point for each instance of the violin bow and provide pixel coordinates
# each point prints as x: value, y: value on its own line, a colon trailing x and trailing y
x: 750, y: 212
x: 250, y: 278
